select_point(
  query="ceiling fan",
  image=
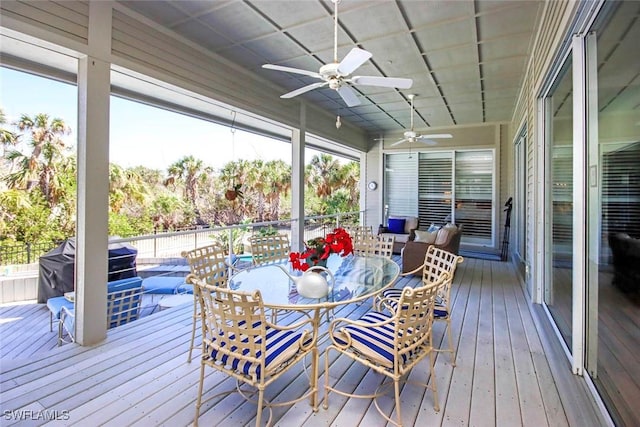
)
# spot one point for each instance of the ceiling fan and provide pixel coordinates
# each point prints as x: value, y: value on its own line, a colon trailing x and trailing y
x: 413, y: 136
x: 336, y: 74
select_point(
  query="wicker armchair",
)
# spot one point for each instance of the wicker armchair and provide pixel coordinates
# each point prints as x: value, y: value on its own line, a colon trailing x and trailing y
x: 238, y: 341
x: 446, y: 238
x: 390, y: 344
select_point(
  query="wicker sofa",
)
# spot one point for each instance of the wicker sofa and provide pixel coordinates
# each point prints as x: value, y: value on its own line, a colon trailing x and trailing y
x: 413, y: 253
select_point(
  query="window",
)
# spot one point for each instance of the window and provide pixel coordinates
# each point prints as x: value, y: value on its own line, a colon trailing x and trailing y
x: 444, y: 186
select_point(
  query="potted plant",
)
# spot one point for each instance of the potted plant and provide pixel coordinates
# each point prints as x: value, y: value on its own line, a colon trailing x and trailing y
x: 233, y: 193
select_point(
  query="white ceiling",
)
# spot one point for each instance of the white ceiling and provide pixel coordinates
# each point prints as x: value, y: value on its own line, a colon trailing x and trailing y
x: 466, y: 58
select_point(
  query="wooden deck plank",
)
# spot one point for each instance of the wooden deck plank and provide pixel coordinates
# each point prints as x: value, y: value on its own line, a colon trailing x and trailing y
x: 483, y: 404
x: 457, y: 410
x: 139, y: 374
x: 554, y: 412
x: 531, y: 406
x: 507, y: 402
x: 459, y: 298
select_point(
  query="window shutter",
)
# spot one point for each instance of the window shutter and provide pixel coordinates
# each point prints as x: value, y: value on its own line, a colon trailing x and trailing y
x: 474, y: 194
x: 435, y: 187
x: 401, y: 184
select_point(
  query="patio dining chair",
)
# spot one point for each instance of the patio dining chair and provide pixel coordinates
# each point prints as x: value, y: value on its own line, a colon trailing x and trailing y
x: 210, y: 264
x: 269, y: 249
x: 359, y: 232
x: 240, y: 342
x: 391, y: 344
x: 378, y: 245
x: 124, y: 298
x: 436, y: 262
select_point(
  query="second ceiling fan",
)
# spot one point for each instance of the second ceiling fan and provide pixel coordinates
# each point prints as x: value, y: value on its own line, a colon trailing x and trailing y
x: 336, y: 74
x: 412, y: 136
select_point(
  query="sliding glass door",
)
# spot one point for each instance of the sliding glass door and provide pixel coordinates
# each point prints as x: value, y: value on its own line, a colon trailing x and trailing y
x: 445, y: 186
x: 559, y: 207
x: 613, y: 289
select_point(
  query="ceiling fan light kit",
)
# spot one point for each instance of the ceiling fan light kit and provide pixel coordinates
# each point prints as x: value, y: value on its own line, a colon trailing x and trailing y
x: 336, y: 74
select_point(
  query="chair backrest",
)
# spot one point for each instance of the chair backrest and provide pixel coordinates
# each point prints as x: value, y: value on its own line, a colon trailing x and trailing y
x: 234, y: 324
x: 123, y: 305
x: 384, y: 245
x: 359, y: 232
x: 380, y: 245
x: 209, y: 263
x: 436, y: 262
x: 414, y: 318
x: 269, y: 249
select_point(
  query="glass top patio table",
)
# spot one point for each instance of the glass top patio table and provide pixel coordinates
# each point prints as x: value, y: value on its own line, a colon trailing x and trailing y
x: 356, y: 278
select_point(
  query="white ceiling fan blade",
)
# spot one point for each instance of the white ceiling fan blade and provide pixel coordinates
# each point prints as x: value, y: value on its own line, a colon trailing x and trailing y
x: 436, y: 136
x: 349, y: 96
x: 355, y: 58
x: 400, y: 83
x: 291, y: 70
x: 399, y: 142
x: 303, y: 89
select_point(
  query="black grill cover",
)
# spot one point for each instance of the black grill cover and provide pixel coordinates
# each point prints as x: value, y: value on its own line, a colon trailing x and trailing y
x: 57, y: 268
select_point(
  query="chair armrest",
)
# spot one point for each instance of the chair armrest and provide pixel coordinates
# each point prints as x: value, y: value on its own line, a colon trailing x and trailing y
x: 382, y: 229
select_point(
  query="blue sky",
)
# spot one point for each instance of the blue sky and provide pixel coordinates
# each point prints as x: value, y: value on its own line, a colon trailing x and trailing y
x: 139, y: 134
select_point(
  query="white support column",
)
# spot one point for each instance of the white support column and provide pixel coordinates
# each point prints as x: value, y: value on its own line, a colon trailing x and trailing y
x: 297, y: 181
x: 93, y: 179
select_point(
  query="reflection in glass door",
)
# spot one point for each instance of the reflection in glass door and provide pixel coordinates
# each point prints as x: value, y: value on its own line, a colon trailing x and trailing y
x: 559, y: 217
x: 613, y: 346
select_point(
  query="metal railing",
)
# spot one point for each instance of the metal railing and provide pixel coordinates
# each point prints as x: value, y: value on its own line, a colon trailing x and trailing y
x: 24, y: 253
x: 168, y: 247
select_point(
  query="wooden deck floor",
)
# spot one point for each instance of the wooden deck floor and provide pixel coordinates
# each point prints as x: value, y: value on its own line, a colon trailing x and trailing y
x: 507, y: 373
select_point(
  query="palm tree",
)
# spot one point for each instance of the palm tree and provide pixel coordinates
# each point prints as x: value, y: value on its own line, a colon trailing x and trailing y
x: 278, y: 181
x: 350, y: 177
x: 323, y: 174
x: 191, y: 172
x: 6, y: 136
x: 126, y: 186
x: 47, y: 150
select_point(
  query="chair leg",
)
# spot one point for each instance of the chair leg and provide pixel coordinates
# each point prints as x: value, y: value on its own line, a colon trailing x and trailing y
x: 199, y: 399
x: 260, y: 403
x: 396, y: 390
x: 325, y: 402
x: 314, y: 378
x: 193, y: 331
x: 451, y: 349
x: 60, y: 331
x: 50, y: 322
x: 434, y: 387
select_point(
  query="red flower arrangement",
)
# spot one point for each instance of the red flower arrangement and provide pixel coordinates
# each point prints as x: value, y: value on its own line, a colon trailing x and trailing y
x: 319, y: 249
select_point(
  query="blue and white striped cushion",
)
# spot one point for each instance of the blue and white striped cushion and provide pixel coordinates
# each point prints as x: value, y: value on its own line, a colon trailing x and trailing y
x: 392, y: 293
x: 440, y: 311
x: 280, y: 346
x: 375, y: 343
